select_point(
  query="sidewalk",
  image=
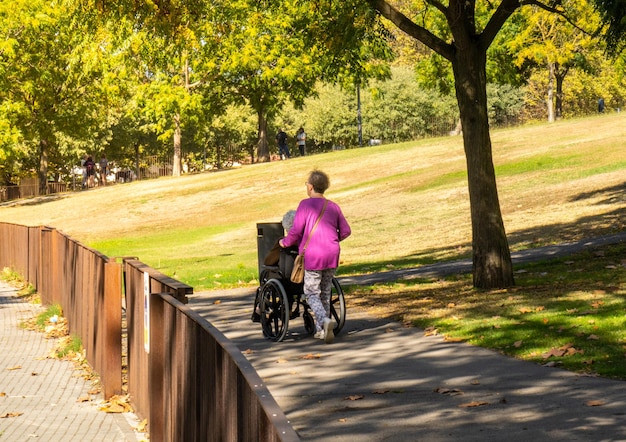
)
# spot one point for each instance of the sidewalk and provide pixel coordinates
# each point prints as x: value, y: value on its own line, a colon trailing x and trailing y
x: 43, y: 398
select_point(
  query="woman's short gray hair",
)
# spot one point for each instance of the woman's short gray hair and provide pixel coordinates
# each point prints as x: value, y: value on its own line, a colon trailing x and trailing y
x: 288, y: 220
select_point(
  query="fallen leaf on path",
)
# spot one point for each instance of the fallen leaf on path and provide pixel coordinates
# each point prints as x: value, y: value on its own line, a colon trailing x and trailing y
x: 430, y: 331
x: 343, y: 419
x: 450, y: 391
x: 217, y: 301
x: 354, y: 397
x: 247, y: 352
x: 595, y: 403
x: 518, y: 344
x: 83, y: 399
x: 17, y: 367
x: 525, y: 310
x: 141, y: 428
x: 311, y: 356
x: 117, y: 404
x: 14, y: 414
x: 380, y: 391
x: 474, y: 404
x: 451, y: 339
x: 281, y: 361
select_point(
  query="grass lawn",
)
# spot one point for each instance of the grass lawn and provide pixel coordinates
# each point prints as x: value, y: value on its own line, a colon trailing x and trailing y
x: 408, y: 206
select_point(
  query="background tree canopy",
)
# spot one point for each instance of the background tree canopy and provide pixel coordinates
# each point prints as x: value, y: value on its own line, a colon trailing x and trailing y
x: 200, y: 84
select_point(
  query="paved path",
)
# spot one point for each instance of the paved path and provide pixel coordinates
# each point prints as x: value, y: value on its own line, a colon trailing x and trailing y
x: 39, y: 396
x: 380, y: 381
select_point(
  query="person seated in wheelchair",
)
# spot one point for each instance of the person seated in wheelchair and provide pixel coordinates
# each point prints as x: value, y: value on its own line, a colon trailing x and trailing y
x: 278, y: 265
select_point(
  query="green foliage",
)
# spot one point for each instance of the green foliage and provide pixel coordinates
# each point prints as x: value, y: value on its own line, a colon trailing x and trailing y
x: 505, y: 104
x: 51, y: 78
x: 72, y: 346
x: 399, y: 110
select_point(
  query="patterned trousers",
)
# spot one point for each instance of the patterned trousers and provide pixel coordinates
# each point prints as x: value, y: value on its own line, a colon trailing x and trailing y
x: 317, y: 287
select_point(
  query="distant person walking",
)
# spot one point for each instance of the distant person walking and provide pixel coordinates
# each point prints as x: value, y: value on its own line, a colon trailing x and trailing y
x: 601, y: 105
x: 84, y: 170
x: 104, y: 169
x: 90, y: 168
x: 321, y: 257
x: 301, y: 141
x: 283, y: 149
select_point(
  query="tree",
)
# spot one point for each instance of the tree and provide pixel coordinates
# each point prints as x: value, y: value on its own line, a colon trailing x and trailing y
x: 556, y: 45
x: 464, y: 42
x: 51, y: 81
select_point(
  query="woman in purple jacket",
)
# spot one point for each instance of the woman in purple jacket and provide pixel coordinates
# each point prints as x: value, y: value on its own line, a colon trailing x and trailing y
x: 321, y: 257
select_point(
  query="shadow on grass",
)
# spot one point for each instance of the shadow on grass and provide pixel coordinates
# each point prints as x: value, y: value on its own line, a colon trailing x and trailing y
x: 603, y: 224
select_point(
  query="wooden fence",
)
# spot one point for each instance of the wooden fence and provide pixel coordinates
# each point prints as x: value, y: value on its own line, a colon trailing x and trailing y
x: 184, y: 376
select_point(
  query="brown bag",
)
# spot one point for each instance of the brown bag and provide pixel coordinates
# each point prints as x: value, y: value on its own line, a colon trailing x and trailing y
x: 297, y: 274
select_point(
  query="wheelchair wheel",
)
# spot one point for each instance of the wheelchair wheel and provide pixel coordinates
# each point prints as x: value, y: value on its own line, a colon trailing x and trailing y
x: 274, y: 310
x: 337, y: 306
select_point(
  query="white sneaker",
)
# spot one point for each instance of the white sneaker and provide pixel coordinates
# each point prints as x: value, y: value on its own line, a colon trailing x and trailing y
x: 329, y: 330
x: 319, y: 335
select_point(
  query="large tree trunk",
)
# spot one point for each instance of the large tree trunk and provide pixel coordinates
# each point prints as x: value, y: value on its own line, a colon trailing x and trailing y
x: 43, y: 166
x: 176, y: 166
x: 262, y: 147
x: 492, y: 267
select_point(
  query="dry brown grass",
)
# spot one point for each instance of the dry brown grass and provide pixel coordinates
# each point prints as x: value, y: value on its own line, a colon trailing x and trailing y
x: 557, y: 182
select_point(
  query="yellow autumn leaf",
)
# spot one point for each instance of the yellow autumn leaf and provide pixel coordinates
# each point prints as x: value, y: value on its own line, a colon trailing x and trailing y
x: 141, y: 428
x: 474, y: 404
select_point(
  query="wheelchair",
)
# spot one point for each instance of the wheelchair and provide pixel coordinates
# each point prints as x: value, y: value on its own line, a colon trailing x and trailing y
x: 281, y: 300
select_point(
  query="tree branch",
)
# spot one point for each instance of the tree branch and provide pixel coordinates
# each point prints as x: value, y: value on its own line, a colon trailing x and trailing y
x: 556, y: 11
x: 497, y: 20
x: 407, y: 25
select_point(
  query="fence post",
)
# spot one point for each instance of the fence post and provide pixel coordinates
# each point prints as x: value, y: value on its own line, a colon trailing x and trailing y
x: 156, y: 368
x: 112, y: 376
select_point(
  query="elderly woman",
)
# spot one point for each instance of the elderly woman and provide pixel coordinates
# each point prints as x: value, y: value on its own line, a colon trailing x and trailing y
x: 318, y: 227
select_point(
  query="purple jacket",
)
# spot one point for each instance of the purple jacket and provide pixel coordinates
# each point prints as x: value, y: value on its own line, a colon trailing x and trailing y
x: 322, y: 251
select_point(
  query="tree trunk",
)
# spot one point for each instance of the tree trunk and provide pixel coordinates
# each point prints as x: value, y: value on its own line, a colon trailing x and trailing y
x: 177, y: 142
x: 43, y: 166
x: 262, y: 147
x: 550, y: 98
x: 492, y: 267
x: 559, y: 76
